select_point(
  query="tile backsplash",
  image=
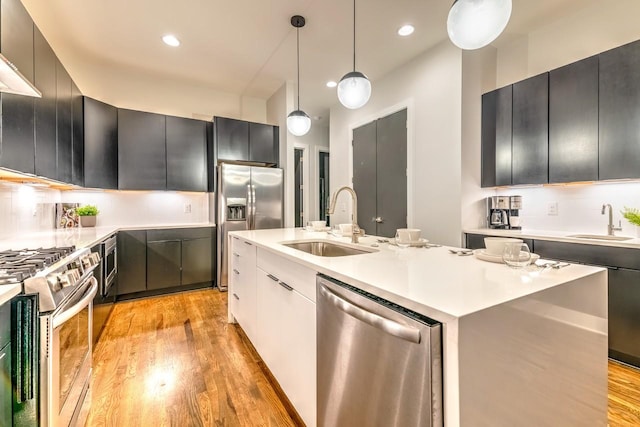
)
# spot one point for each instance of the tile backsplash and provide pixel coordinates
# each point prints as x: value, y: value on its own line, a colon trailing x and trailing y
x: 27, y: 209
x: 578, y: 206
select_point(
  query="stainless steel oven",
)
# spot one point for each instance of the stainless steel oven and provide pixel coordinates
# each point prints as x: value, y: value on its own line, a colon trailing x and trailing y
x: 65, y: 359
x: 110, y: 262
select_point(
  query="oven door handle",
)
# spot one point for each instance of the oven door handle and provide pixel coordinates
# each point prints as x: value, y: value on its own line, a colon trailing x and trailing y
x: 79, y: 306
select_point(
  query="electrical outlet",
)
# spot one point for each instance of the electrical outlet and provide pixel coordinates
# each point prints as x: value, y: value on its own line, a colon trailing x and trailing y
x: 343, y: 207
x: 552, y: 208
x: 187, y: 208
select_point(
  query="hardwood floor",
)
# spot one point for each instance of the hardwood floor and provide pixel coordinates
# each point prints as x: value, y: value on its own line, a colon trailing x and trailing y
x: 174, y: 361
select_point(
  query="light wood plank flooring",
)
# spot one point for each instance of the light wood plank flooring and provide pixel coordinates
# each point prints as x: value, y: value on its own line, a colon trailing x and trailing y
x: 174, y: 361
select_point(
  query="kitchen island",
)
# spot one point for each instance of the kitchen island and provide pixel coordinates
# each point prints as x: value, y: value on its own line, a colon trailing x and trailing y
x: 520, y: 347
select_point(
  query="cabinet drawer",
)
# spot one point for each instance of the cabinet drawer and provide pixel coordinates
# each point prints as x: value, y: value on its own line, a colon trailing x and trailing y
x: 301, y: 278
x: 242, y: 248
x: 178, y: 234
x: 606, y: 256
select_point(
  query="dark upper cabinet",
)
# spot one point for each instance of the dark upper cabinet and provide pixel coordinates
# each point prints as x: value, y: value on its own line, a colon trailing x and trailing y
x: 246, y: 141
x: 231, y: 139
x: 619, y: 148
x: 16, y: 42
x: 63, y: 108
x: 211, y: 159
x: 186, y: 154
x: 530, y: 140
x: 496, y: 137
x: 77, y: 136
x: 263, y: 143
x: 45, y: 107
x: 573, y: 122
x: 100, y: 144
x: 16, y: 36
x: 142, y: 161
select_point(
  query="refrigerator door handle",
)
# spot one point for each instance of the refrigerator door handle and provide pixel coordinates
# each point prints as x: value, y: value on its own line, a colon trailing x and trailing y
x: 253, y: 207
x: 249, y: 208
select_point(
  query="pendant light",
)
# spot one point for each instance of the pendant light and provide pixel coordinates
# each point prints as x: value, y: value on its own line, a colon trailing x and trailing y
x: 298, y: 122
x: 354, y: 89
x: 473, y: 24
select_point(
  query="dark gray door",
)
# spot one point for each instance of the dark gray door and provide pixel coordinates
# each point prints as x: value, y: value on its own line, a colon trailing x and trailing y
x: 323, y: 179
x: 298, y: 187
x: 380, y: 174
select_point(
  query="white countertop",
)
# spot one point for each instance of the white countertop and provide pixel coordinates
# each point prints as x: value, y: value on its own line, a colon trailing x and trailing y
x: 9, y: 291
x: 556, y: 236
x: 80, y: 237
x: 431, y: 281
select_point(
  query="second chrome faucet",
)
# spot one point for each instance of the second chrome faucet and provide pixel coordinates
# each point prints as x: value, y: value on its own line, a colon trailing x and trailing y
x: 610, y: 228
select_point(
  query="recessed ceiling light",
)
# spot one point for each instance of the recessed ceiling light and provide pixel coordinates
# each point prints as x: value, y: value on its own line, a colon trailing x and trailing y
x: 406, y: 30
x: 332, y: 84
x: 171, y: 40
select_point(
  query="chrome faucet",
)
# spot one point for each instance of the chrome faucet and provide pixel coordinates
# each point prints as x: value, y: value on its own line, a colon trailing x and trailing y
x: 610, y: 227
x: 355, y: 229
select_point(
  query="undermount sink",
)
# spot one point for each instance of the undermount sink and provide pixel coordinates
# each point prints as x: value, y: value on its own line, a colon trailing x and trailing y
x: 601, y: 237
x: 326, y: 249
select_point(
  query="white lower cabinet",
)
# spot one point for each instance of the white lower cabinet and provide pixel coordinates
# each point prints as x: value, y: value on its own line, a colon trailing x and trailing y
x: 242, y: 285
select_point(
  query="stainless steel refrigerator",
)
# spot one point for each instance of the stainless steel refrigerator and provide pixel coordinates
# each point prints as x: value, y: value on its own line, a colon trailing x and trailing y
x: 249, y: 198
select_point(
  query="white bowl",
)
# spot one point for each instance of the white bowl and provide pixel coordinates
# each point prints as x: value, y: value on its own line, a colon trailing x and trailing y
x: 318, y: 225
x: 495, y: 245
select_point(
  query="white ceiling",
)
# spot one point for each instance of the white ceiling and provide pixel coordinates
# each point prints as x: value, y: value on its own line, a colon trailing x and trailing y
x: 247, y: 47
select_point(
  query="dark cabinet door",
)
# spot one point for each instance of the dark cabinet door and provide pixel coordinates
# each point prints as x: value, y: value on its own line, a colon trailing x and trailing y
x: 186, y: 154
x: 132, y: 261
x: 573, y: 122
x: 624, y: 315
x: 77, y: 136
x: 232, y: 139
x: 142, y: 155
x: 197, y: 260
x: 6, y: 395
x: 45, y: 107
x: 496, y: 137
x: 211, y: 160
x: 16, y: 42
x: 619, y: 144
x: 63, y: 108
x: 263, y: 143
x: 163, y: 264
x: 530, y: 141
x: 100, y: 144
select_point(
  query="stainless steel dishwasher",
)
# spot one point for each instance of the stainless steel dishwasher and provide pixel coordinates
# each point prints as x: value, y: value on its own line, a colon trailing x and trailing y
x: 379, y: 364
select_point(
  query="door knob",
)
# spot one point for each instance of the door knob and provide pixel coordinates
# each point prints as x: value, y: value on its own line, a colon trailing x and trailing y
x: 378, y: 219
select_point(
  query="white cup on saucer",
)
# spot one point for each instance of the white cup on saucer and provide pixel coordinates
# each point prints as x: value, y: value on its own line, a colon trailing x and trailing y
x: 408, y: 235
x: 318, y: 225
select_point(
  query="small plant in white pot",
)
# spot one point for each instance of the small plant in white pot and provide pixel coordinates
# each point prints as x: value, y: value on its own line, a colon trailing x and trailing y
x: 87, y: 215
x: 633, y: 216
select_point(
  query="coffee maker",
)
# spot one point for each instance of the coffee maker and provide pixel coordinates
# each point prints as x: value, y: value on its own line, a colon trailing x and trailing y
x: 498, y: 212
x: 515, y: 204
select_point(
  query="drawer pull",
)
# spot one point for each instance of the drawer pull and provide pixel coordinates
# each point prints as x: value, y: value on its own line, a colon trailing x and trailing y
x: 236, y: 297
x: 236, y: 271
x: 287, y: 287
x: 272, y: 277
x: 247, y: 243
x: 235, y: 254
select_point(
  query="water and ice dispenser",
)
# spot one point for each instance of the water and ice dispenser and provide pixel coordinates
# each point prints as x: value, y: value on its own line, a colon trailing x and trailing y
x: 236, y: 209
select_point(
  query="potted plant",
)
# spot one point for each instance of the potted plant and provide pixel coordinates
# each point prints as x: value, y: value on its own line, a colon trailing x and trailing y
x: 633, y: 216
x: 87, y: 215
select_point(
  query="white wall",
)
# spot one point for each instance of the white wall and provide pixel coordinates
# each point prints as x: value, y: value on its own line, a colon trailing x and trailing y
x: 431, y: 87
x: 26, y: 209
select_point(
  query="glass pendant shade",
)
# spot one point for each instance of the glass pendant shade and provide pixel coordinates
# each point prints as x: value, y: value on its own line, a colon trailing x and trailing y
x: 473, y: 24
x: 298, y: 123
x: 354, y: 90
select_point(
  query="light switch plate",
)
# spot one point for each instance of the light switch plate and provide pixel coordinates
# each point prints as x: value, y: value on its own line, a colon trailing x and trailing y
x: 187, y: 208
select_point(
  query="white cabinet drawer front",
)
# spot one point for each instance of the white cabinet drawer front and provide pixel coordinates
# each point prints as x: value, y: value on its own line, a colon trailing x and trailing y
x: 241, y: 247
x: 301, y: 278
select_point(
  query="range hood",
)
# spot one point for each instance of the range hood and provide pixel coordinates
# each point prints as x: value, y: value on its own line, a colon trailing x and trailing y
x: 11, y: 81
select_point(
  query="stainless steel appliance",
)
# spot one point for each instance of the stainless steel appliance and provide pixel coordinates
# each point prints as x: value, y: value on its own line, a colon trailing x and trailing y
x: 497, y: 212
x: 66, y: 288
x: 249, y: 198
x: 105, y: 273
x: 379, y: 364
x: 515, y: 204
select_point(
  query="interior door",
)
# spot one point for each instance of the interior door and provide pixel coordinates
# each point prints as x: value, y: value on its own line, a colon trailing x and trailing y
x: 380, y: 174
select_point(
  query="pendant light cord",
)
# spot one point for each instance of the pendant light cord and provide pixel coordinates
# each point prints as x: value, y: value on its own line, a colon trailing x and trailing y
x: 298, y: 54
x: 354, y: 35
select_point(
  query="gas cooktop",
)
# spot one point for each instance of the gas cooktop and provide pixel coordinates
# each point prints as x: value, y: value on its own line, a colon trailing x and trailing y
x: 16, y: 266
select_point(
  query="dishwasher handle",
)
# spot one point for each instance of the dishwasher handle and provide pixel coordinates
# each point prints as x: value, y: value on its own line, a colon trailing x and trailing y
x: 406, y: 333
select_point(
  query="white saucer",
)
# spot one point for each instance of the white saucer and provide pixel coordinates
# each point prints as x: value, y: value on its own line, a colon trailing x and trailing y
x: 317, y: 230
x: 484, y: 256
x: 416, y: 244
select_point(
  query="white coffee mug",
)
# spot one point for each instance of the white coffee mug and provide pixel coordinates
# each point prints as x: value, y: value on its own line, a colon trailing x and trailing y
x: 408, y: 235
x: 318, y: 225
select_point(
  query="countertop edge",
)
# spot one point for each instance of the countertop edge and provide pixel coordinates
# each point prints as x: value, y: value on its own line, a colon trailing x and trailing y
x: 9, y: 291
x: 555, y: 236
